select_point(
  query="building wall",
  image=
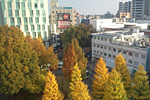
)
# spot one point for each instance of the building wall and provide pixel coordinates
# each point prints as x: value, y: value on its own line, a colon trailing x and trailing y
x: 1, y: 15
x: 104, y: 48
x: 40, y: 21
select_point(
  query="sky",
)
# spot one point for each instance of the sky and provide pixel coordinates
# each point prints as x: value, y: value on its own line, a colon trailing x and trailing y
x: 92, y: 7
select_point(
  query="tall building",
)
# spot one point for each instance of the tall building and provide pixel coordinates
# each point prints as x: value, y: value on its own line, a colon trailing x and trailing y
x: 31, y: 16
x: 125, y: 9
x: 62, y: 16
x: 140, y: 8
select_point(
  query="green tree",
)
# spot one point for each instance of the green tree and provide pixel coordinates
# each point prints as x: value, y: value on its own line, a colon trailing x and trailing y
x: 78, y: 88
x: 82, y: 33
x: 141, y: 87
x: 115, y: 89
x: 51, y: 91
x: 73, y: 54
x: 121, y: 67
x: 18, y: 61
x: 101, y: 78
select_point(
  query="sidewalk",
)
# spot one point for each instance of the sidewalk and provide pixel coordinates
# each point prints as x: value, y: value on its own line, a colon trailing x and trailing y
x: 92, y: 67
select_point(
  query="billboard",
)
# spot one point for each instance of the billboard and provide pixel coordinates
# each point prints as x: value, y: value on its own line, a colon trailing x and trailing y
x: 63, y: 24
x: 63, y: 16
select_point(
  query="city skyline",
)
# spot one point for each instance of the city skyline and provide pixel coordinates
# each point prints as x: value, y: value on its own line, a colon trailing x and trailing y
x: 92, y: 7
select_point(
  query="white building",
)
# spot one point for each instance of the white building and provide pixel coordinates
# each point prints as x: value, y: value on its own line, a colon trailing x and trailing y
x: 134, y: 46
x: 31, y: 16
x: 140, y: 8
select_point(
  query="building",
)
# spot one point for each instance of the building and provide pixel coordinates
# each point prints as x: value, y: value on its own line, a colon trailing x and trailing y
x: 140, y: 8
x: 108, y: 15
x: 62, y: 16
x: 125, y: 10
x: 86, y: 21
x: 134, y: 46
x: 31, y: 16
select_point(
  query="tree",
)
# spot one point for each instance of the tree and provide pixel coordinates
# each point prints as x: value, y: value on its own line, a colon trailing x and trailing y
x: 101, y: 78
x: 51, y: 91
x: 141, y: 87
x: 46, y: 56
x: 121, y: 67
x: 18, y: 61
x: 78, y: 88
x: 82, y: 33
x: 115, y: 89
x: 73, y: 54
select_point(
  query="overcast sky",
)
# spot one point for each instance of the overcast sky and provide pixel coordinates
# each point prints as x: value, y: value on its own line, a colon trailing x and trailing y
x: 92, y: 7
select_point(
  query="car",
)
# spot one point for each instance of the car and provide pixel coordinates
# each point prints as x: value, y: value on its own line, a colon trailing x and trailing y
x: 87, y: 74
x: 60, y: 64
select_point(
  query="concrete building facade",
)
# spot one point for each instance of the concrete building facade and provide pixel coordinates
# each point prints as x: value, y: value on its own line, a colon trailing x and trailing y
x: 31, y: 16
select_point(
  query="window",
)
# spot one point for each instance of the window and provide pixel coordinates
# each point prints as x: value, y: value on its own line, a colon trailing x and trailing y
x: 105, y: 47
x: 18, y: 20
x: 109, y: 48
x: 101, y: 39
x: 97, y: 45
x: 34, y: 35
x: 43, y: 12
x: 36, y: 5
x: 29, y: 5
x: 37, y: 13
x: 114, y: 56
x: 23, y: 5
x: 45, y: 36
x: 109, y: 55
x: 97, y: 52
x: 42, y: 5
x: 105, y: 54
x: 119, y: 50
x: 31, y: 12
x: 30, y: 20
x: 130, y: 61
x: 37, y: 20
x: 18, y: 26
x: 43, y: 27
x: 106, y: 39
x: 16, y: 13
x: 17, y: 5
x: 28, y: 33
x: 94, y: 37
x: 114, y: 49
x: 130, y: 53
x: 52, y: 11
x: 101, y: 53
x: 109, y: 40
x: 12, y: 21
x: 143, y: 65
x: 136, y: 55
x: 101, y: 46
x: 25, y: 20
x: 98, y: 38
x: 124, y: 52
x: 10, y: 13
x: 94, y: 45
x: 94, y: 51
x: 44, y: 20
x: 23, y: 13
x: 143, y: 56
x: 32, y: 27
x: 9, y: 5
x: 26, y: 27
x: 136, y: 63
x: 38, y: 27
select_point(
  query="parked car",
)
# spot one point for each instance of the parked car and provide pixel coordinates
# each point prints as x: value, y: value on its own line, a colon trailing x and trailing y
x: 87, y: 74
x: 60, y: 64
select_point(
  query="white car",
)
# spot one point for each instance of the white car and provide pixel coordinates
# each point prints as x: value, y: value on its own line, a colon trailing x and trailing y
x: 60, y: 64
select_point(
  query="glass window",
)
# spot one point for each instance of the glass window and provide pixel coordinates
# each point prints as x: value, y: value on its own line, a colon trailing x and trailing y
x: 109, y: 48
x: 109, y: 40
x: 119, y: 50
x: 23, y: 13
x: 12, y: 21
x: 23, y: 5
x: 3, y: 5
x: 43, y: 12
x: 36, y: 5
x: 105, y: 47
x: 18, y: 20
x: 114, y: 56
x: 98, y: 38
x: 136, y: 63
x: 17, y: 5
x: 44, y: 20
x: 42, y: 5
x: 124, y: 52
x: 34, y: 35
x: 143, y: 56
x: 97, y: 45
x: 29, y: 5
x: 31, y: 12
x: 37, y: 13
x: 30, y: 20
x: 130, y: 61
x: 130, y: 53
x: 25, y: 20
x: 143, y: 65
x: 18, y: 26
x: 26, y: 27
x: 136, y: 55
x: 43, y: 27
x: 10, y: 13
x: 38, y: 27
x: 28, y: 33
x: 37, y: 20
x: 114, y: 49
x: 9, y: 5
x: 52, y: 11
x: 105, y: 54
x: 94, y: 45
x: 101, y: 46
x: 101, y: 53
x: 97, y: 52
x: 45, y: 36
x: 101, y: 39
x: 106, y: 39
x: 16, y: 13
x: 109, y: 55
x: 94, y: 37
x: 32, y: 27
